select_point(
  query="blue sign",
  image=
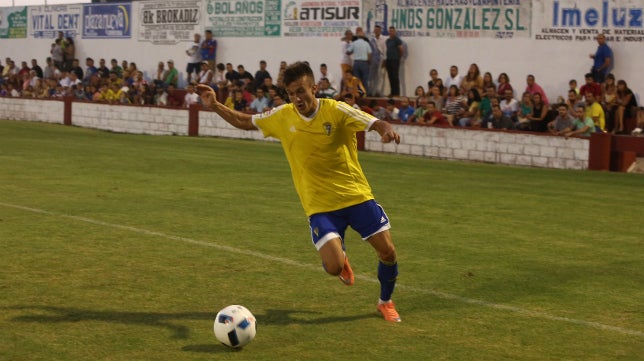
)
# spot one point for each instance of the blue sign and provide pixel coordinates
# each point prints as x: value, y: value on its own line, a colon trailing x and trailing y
x: 107, y: 21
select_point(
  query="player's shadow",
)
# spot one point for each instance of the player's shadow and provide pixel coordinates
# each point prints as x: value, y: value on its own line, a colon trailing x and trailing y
x: 170, y: 321
x: 51, y: 314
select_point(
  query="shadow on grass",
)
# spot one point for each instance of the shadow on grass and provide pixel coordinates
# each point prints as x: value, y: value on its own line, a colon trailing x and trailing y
x: 169, y: 321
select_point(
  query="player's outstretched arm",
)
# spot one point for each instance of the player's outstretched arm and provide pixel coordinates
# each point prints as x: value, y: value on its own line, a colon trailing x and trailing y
x: 386, y: 131
x: 235, y: 118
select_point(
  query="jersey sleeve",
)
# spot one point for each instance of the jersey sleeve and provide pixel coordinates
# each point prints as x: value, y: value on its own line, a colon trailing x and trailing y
x: 270, y: 122
x: 356, y: 119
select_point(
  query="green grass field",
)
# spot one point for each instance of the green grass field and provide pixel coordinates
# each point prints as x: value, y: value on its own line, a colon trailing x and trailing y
x: 124, y: 247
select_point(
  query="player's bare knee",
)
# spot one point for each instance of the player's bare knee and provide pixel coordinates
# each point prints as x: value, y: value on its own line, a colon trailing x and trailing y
x: 333, y: 269
x: 388, y: 255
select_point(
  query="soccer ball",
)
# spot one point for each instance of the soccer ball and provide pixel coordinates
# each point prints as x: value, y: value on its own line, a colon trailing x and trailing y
x: 235, y: 326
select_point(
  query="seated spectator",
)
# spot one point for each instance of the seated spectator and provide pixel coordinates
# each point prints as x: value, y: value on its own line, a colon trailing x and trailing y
x: 563, y: 123
x: 348, y: 98
x: 260, y: 103
x: 114, y: 79
x: 472, y: 116
x: 103, y: 70
x: 486, y: 101
x: 534, y: 88
x: 391, y: 111
x: 583, y: 125
x: 379, y: 111
x: 325, y: 90
x: 232, y: 76
x: 572, y: 85
x: 420, y: 111
x: 419, y: 93
x: 191, y: 96
x: 455, y: 105
x: 509, y: 106
x: 406, y: 110
x: 119, y: 71
x: 497, y: 120
x: 205, y: 75
x: 595, y: 111
x: 175, y: 98
x: 472, y: 79
x: 159, y: 78
x: 488, y: 81
x: 626, y: 105
x: 572, y: 102
x: 436, y: 97
x: 245, y: 76
x: 160, y: 96
x: 101, y: 95
x: 538, y: 116
x: 76, y: 69
x: 351, y: 85
x: 172, y: 76
x: 277, y: 101
x: 433, y: 116
x: 12, y: 91
x: 591, y: 87
x: 239, y: 102
x: 433, y: 76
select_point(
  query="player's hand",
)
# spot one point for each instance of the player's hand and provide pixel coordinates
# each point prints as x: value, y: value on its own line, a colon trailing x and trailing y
x: 390, y: 136
x: 207, y: 94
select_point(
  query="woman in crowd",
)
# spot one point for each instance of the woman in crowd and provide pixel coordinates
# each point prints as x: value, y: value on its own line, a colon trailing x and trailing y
x: 488, y: 81
x: 473, y: 79
x: 472, y: 116
x: 504, y: 84
x: 538, y: 116
x: 418, y: 93
x: 525, y: 109
x: 436, y: 97
x: 455, y: 104
x: 626, y: 105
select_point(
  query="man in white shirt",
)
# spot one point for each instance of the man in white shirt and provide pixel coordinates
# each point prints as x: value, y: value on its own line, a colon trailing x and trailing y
x: 454, y: 78
x: 376, y: 70
x: 194, y: 57
x: 509, y: 106
x: 191, y: 96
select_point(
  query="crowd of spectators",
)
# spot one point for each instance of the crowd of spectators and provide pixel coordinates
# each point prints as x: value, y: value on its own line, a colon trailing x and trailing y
x: 470, y: 100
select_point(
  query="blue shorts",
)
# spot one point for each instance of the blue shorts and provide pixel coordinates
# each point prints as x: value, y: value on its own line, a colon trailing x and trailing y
x: 366, y: 218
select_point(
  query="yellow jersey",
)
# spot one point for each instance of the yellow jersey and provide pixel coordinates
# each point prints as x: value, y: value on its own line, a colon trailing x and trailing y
x: 322, y: 152
x: 596, y: 110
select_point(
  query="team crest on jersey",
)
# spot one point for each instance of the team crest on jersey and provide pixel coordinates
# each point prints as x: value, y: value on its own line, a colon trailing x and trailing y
x: 327, y: 128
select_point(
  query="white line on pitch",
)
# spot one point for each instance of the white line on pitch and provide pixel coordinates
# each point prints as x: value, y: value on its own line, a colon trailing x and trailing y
x: 439, y: 294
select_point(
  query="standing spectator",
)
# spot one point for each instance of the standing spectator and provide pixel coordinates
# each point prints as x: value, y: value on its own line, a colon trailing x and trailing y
x: 402, y: 78
x: 379, y: 51
x: 346, y: 63
x: 209, y: 49
x: 261, y: 74
x: 103, y: 70
x: 58, y: 55
x: 361, y: 52
x: 172, y: 76
x: 392, y: 62
x: 69, y: 51
x: 280, y: 75
x: 534, y: 88
x: 35, y: 67
x: 602, y: 60
x: 454, y: 78
x: 194, y: 59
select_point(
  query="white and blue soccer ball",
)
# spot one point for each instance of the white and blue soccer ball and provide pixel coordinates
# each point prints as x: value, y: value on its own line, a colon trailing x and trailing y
x: 235, y: 326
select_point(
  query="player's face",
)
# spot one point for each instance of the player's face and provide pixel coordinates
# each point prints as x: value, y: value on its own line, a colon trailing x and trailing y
x: 302, y: 94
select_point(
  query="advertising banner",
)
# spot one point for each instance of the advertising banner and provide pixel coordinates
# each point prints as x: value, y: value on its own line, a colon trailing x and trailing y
x: 13, y: 22
x: 231, y: 18
x: 568, y: 20
x: 47, y: 21
x: 107, y: 21
x: 321, y: 18
x: 169, y: 22
x: 501, y: 19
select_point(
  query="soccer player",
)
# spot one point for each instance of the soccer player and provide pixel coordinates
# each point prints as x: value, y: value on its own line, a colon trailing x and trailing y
x: 318, y: 138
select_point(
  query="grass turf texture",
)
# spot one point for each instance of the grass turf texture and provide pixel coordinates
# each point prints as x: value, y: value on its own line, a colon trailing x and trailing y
x: 127, y: 246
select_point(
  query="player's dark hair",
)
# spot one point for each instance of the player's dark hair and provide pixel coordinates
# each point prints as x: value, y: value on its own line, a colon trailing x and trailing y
x: 296, y: 71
